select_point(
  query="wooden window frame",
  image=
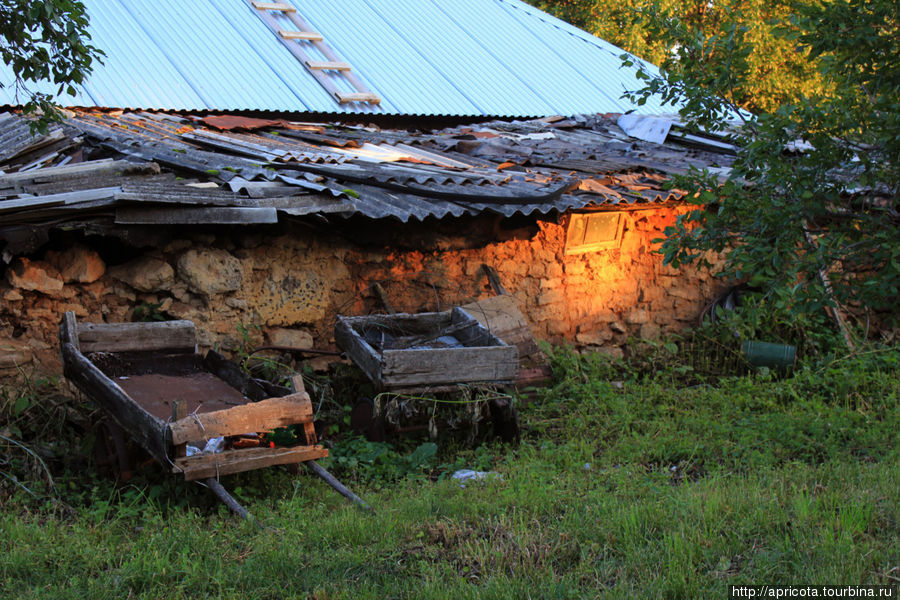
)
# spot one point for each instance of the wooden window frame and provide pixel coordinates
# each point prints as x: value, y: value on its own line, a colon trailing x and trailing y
x: 577, y: 227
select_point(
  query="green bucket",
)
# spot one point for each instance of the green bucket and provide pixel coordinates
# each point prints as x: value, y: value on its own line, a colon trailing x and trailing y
x: 766, y: 354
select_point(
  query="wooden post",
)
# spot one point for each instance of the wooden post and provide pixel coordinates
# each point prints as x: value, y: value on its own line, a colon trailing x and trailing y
x: 309, y: 428
x: 179, y: 411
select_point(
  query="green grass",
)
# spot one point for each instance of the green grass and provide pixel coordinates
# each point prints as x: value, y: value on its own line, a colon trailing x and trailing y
x: 648, y: 491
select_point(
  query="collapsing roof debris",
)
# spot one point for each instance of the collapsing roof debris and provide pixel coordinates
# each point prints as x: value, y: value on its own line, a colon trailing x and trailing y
x: 138, y: 168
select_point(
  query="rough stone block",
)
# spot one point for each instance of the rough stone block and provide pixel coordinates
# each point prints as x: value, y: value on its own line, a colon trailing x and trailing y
x: 78, y: 264
x: 552, y: 283
x: 637, y: 317
x: 687, y: 292
x: 14, y: 353
x: 210, y: 271
x: 36, y: 276
x: 551, y: 297
x: 650, y: 331
x: 575, y: 266
x: 618, y: 327
x: 614, y: 352
x: 145, y: 274
x: 294, y: 338
x: 558, y: 328
x: 593, y: 338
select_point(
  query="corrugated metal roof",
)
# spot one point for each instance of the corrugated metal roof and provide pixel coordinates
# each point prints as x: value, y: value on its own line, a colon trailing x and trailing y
x: 227, y: 169
x: 422, y: 57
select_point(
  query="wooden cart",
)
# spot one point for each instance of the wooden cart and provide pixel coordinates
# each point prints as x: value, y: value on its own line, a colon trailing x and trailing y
x: 150, y: 379
x: 427, y: 353
x: 432, y: 351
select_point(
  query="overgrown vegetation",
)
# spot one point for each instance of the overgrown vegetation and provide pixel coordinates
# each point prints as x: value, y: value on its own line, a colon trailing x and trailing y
x: 771, y: 70
x: 47, y: 46
x: 627, y: 483
x: 809, y: 212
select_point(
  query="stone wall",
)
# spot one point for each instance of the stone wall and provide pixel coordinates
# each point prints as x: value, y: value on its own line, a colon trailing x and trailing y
x: 252, y: 287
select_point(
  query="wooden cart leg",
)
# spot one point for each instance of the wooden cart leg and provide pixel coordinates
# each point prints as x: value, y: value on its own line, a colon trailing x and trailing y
x: 217, y: 488
x: 328, y: 478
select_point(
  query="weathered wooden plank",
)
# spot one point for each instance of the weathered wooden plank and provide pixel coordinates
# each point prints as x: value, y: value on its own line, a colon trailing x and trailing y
x: 195, y: 216
x: 410, y: 324
x: 133, y: 337
x: 363, y: 354
x: 68, y: 331
x: 279, y: 6
x: 264, y: 415
x: 147, y: 430
x: 345, y: 97
x: 201, y: 466
x: 307, y: 429
x: 330, y: 65
x: 309, y: 36
x: 449, y: 365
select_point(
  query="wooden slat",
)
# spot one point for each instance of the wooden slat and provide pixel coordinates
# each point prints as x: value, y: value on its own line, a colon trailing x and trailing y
x: 330, y: 55
x: 352, y: 343
x: 309, y: 36
x: 332, y: 65
x: 147, y: 430
x: 449, y: 365
x: 297, y: 49
x: 202, y: 466
x: 130, y: 337
x: 279, y: 6
x: 345, y: 97
x: 264, y: 415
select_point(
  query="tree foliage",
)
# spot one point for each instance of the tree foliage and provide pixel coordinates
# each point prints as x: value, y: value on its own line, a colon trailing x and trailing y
x: 773, y: 70
x: 814, y: 187
x: 45, y: 41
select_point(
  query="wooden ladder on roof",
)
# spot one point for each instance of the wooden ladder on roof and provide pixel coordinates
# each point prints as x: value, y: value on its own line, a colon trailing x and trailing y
x: 297, y: 41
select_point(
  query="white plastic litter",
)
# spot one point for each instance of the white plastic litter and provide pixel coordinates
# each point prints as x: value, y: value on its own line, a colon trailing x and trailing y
x: 464, y: 475
x: 213, y: 446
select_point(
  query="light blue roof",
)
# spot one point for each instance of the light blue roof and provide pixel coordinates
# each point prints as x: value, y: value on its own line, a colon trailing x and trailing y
x: 499, y: 58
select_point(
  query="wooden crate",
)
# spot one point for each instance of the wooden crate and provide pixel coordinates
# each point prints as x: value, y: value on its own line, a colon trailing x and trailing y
x: 426, y: 350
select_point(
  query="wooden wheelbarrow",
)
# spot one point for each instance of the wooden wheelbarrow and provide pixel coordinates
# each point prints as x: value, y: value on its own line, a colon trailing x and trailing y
x: 150, y: 379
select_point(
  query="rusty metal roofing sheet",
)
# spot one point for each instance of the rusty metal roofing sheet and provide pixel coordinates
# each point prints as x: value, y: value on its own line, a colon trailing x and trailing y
x: 505, y: 168
x: 422, y: 57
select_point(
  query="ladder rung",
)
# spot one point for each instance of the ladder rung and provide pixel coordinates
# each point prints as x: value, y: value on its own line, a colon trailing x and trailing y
x: 321, y: 65
x: 310, y: 36
x: 345, y: 97
x: 281, y: 6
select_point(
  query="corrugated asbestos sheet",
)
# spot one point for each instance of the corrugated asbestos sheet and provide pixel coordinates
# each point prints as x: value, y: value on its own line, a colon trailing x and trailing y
x: 499, y: 58
x: 107, y: 169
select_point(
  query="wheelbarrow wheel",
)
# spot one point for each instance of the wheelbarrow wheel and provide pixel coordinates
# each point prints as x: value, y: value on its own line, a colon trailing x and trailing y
x: 111, y: 452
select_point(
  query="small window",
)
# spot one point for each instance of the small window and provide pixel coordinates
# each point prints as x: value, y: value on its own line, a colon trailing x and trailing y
x: 594, y: 231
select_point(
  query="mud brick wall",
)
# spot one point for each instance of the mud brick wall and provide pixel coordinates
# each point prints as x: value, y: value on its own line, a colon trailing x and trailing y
x: 250, y: 287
